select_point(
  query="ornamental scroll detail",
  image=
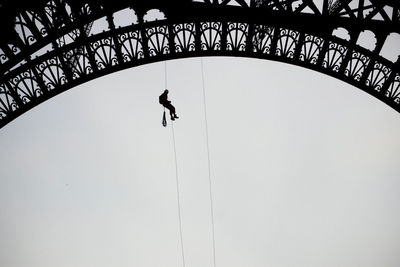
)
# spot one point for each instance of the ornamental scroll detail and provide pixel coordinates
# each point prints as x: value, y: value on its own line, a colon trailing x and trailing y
x: 184, y: 37
x: 80, y: 58
x: 262, y: 39
x: 3, y: 57
x: 26, y: 86
x: 394, y: 90
x: 236, y: 36
x: 104, y: 53
x: 211, y: 33
x: 158, y: 40
x: 7, y: 102
x: 311, y: 49
x: 287, y: 42
x: 334, y: 56
x: 131, y: 46
x: 51, y: 73
x: 357, y: 65
x: 378, y: 76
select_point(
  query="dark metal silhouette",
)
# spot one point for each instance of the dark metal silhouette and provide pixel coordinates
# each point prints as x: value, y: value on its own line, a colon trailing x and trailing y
x: 163, y: 99
x: 46, y: 46
x: 164, y: 120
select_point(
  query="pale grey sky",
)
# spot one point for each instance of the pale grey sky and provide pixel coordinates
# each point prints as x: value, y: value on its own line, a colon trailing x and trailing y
x: 305, y: 172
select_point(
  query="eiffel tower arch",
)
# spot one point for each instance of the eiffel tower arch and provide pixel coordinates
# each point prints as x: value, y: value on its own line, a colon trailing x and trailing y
x: 50, y: 46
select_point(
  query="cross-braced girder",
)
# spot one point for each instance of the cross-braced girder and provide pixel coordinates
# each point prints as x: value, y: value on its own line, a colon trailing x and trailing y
x: 58, y: 44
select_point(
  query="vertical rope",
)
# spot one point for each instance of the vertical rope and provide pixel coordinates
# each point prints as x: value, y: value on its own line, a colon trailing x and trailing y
x: 176, y: 175
x: 178, y: 197
x: 209, y: 165
x: 165, y: 75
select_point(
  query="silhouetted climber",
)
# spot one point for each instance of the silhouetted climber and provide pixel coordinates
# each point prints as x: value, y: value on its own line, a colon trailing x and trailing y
x: 163, y: 99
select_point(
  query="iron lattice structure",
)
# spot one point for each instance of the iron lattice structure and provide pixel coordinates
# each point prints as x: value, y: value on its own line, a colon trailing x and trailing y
x: 49, y: 47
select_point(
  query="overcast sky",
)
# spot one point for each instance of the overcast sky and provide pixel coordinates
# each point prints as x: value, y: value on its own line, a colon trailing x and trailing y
x: 305, y: 171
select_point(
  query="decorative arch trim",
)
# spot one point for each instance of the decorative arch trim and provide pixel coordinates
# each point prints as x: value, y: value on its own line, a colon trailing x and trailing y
x: 228, y: 31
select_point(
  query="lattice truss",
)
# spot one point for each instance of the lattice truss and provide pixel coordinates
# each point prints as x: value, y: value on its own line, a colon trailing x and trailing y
x: 60, y: 44
x: 361, y: 9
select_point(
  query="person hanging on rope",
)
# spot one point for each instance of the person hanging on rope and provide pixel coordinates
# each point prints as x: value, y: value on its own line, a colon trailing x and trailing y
x: 163, y: 99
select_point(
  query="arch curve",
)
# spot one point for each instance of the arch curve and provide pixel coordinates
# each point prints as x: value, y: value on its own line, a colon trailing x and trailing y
x: 309, y: 41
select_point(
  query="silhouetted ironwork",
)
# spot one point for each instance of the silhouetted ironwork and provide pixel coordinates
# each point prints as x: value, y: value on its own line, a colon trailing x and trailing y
x: 48, y: 47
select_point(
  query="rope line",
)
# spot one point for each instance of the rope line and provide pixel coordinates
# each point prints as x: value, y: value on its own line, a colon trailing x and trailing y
x: 165, y: 75
x: 178, y: 196
x: 176, y: 176
x: 209, y: 165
